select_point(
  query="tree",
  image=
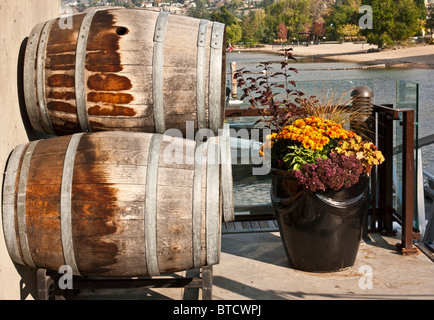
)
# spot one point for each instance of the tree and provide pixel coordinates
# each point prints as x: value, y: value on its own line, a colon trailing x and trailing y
x: 200, y: 11
x: 420, y: 4
x: 339, y: 15
x: 351, y: 3
x: 259, y: 23
x: 318, y: 29
x: 253, y: 26
x: 282, y: 32
x: 422, y: 9
x: 393, y: 21
x: 295, y: 14
x: 266, y: 3
x: 223, y: 16
x: 319, y: 9
x: 234, y: 5
x: 350, y: 30
x: 233, y: 33
x: 249, y: 28
x: 430, y: 21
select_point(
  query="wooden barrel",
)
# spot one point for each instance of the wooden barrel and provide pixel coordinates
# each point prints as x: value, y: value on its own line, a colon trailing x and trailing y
x: 114, y: 203
x: 125, y: 69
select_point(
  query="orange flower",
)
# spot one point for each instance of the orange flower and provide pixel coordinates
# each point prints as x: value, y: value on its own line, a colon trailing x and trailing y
x: 313, y: 132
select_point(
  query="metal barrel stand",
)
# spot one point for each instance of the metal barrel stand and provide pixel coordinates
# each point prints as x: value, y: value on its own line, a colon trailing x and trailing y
x: 48, y: 284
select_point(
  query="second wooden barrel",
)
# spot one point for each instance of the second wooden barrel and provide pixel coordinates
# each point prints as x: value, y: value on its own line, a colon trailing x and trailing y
x: 114, y: 204
x: 125, y: 69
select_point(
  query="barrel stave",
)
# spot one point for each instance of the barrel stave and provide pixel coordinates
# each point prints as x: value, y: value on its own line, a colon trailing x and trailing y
x: 60, y: 76
x: 43, y: 203
x: 100, y: 211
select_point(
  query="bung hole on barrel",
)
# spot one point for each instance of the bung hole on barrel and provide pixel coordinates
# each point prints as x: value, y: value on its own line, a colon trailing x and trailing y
x: 121, y: 31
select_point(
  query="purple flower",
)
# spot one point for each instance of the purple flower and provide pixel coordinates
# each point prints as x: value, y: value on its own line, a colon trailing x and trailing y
x: 334, y: 173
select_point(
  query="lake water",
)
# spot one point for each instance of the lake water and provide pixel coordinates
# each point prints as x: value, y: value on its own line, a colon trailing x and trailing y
x: 318, y: 74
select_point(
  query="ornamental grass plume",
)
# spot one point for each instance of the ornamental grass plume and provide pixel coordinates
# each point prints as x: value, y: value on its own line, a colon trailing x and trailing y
x: 338, y: 107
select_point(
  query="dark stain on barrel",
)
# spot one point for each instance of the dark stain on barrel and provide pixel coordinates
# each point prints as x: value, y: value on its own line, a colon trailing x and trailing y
x: 96, y: 126
x: 110, y: 98
x: 66, y: 127
x: 61, y: 106
x: 111, y: 111
x: 103, y: 64
x: 103, y: 61
x: 62, y: 95
x: 108, y: 82
x: 94, y: 208
x: 61, y: 81
x: 62, y: 40
x: 102, y: 34
x: 60, y: 62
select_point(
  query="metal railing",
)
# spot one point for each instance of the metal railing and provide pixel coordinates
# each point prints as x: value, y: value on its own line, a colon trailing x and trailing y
x: 387, y: 115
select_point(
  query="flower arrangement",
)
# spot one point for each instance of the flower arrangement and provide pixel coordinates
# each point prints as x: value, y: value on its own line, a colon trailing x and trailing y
x: 320, y: 154
x: 309, y: 139
x: 312, y: 151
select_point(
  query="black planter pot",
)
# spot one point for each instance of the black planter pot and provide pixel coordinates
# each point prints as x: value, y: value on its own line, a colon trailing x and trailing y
x: 320, y: 231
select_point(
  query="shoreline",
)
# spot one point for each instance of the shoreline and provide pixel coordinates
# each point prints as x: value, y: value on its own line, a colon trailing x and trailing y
x: 421, y: 56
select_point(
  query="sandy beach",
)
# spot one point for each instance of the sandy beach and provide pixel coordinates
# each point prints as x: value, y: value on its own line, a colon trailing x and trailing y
x: 418, y: 56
